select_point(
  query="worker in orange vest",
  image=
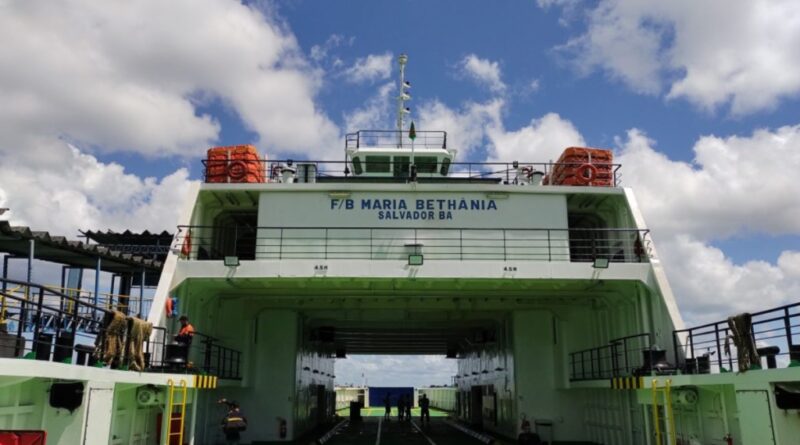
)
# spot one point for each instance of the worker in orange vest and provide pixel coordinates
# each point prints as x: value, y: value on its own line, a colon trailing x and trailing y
x: 186, y: 332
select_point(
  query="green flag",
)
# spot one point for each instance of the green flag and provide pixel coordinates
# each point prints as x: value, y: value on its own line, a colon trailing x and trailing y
x: 412, y: 133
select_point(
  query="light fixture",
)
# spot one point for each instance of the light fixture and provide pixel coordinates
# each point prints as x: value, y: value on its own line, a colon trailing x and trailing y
x: 231, y: 261
x: 497, y: 195
x: 339, y: 194
x: 600, y: 263
x: 415, y: 260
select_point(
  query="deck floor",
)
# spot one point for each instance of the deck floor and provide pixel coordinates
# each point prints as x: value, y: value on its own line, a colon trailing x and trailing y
x: 374, y: 430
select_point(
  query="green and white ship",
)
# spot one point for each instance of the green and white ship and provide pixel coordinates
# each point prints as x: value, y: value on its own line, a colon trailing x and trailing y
x: 551, y: 298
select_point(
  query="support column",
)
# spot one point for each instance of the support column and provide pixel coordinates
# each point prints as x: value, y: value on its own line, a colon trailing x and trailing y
x: 141, y: 294
x: 125, y: 284
x: 96, y: 286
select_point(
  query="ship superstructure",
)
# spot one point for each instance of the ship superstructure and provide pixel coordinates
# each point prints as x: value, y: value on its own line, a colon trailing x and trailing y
x: 540, y: 279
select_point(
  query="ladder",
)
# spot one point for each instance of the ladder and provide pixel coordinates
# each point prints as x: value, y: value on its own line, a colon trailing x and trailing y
x: 176, y: 417
x: 665, y: 394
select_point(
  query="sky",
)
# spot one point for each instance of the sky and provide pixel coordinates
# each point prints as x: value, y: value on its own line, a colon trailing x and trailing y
x: 108, y: 107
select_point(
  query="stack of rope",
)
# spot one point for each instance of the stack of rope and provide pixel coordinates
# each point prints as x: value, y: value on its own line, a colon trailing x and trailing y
x: 121, y: 341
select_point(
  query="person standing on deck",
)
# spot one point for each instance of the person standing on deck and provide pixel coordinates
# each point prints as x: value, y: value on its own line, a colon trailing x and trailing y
x: 401, y: 407
x: 409, y: 405
x: 424, y: 408
x: 387, y: 402
x: 233, y: 423
x: 186, y: 332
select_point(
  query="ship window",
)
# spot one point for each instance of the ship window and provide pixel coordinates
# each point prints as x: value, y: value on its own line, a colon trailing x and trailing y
x: 234, y: 235
x: 378, y: 164
x: 445, y: 166
x: 401, y: 166
x: 357, y: 166
x: 426, y: 164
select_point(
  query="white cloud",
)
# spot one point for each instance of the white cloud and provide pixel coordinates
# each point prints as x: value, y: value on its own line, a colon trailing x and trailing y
x: 484, y: 72
x: 465, y: 127
x: 542, y: 140
x: 375, y: 114
x: 372, y: 68
x: 99, y: 74
x: 394, y: 370
x: 82, y: 193
x: 709, y: 286
x: 737, y: 184
x: 713, y: 53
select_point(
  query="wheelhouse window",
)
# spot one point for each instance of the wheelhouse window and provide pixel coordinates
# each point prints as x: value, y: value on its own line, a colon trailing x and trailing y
x: 425, y: 164
x: 378, y: 164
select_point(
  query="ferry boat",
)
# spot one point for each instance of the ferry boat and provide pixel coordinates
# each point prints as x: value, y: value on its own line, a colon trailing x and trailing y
x: 541, y: 280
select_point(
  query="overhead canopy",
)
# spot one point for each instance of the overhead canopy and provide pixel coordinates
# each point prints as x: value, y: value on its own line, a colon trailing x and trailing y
x: 149, y: 245
x: 15, y: 240
x: 441, y: 337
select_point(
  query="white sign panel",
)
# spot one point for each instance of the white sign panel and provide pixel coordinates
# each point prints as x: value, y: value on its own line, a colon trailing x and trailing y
x: 420, y: 210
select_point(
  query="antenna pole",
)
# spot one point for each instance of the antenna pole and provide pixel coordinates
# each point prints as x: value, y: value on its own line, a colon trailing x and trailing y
x: 402, y: 97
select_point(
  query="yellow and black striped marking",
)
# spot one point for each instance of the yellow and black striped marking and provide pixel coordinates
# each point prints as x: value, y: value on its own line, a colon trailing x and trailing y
x: 205, y: 381
x: 627, y: 382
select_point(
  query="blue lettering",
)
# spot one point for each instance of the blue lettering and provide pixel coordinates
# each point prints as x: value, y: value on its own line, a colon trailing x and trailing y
x: 462, y: 205
x: 334, y: 203
x: 492, y: 205
x: 348, y: 204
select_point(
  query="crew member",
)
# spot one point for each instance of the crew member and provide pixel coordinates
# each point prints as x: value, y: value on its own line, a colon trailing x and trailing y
x: 526, y: 437
x: 387, y: 402
x: 409, y: 405
x: 401, y: 407
x: 424, y: 409
x: 234, y: 421
x: 186, y: 333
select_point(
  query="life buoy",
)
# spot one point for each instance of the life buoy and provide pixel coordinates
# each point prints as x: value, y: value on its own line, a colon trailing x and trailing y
x: 186, y: 248
x: 169, y: 307
x: 237, y: 170
x: 585, y: 174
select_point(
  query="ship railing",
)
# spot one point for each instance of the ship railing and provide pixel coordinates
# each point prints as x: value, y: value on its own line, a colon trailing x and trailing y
x: 206, y: 355
x: 459, y: 244
x: 513, y: 173
x: 395, y: 139
x: 134, y: 305
x: 621, y: 357
x: 42, y: 323
x: 34, y: 316
x: 710, y: 348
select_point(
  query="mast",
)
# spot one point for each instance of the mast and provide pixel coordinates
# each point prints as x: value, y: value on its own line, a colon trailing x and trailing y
x: 402, y: 110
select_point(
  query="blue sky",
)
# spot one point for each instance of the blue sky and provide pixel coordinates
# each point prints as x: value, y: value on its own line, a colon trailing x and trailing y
x: 108, y: 108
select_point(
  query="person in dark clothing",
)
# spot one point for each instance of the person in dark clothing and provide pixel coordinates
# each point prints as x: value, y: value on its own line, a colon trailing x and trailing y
x: 526, y: 437
x: 424, y: 409
x: 409, y: 405
x: 234, y: 422
x: 401, y: 407
x: 186, y: 333
x: 387, y: 402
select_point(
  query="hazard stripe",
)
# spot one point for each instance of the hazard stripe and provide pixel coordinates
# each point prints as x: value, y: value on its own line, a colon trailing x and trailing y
x: 205, y: 381
x: 627, y: 382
